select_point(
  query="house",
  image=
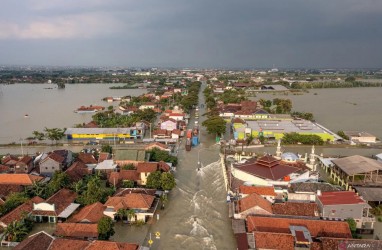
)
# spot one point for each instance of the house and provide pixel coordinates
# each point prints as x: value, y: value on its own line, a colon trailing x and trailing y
x: 291, y: 233
x: 361, y: 137
x: 116, y: 178
x: 161, y: 134
x: 103, y: 156
x: 252, y: 204
x: 57, y: 207
x: 66, y: 154
x: 169, y: 124
x: 89, y: 214
x: 24, y: 165
x: 43, y: 240
x: 124, y: 156
x: 10, y: 161
x: 267, y: 171
x: 107, y: 134
x: 16, y: 183
x: 267, y: 192
x: 19, y: 212
x: 307, y: 191
x: 177, y: 116
x: 144, y: 169
x: 88, y: 159
x: 5, y: 169
x: 107, y: 166
x: 148, y: 105
x: 175, y: 134
x: 77, y: 171
x: 51, y: 163
x: 84, y: 231
x: 143, y: 204
x: 346, y: 204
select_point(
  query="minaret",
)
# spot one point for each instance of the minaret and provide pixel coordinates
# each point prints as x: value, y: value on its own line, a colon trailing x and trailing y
x: 278, y: 150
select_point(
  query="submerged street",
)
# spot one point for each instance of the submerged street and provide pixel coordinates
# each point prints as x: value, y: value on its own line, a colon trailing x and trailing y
x: 196, y: 216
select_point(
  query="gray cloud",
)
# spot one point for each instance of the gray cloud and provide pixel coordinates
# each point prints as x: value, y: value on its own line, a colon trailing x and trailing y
x: 240, y: 33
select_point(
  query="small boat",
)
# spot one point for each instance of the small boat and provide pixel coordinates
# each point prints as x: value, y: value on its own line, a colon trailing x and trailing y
x: 26, y: 115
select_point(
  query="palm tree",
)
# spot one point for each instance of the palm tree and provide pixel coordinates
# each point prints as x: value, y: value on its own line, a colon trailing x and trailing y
x: 164, y: 200
x: 130, y: 214
x: 121, y: 213
x: 16, y: 231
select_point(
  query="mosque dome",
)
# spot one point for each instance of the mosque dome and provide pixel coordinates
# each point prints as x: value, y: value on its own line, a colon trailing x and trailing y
x: 289, y: 157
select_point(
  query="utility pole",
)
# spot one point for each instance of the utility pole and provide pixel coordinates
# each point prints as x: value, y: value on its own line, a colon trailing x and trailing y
x: 22, y: 150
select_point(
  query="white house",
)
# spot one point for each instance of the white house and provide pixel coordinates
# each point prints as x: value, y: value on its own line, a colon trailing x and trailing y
x: 169, y: 124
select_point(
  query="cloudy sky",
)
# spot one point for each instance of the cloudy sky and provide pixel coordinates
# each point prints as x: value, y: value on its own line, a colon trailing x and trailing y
x: 192, y: 33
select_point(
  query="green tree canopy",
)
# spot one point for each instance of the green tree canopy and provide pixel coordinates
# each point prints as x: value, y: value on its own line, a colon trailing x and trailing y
x: 107, y: 149
x: 167, y: 181
x: 161, y: 155
x: 215, y: 125
x: 154, y: 180
x: 105, y: 228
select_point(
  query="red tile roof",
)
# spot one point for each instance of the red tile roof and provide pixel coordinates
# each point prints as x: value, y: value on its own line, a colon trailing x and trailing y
x: 18, y: 212
x: 56, y: 157
x: 26, y: 159
x: 87, y: 158
x: 340, y: 197
x: 296, y: 209
x: 19, y: 179
x: 131, y: 201
x: 77, y: 171
x: 261, y: 190
x: 147, y: 167
x: 62, y: 199
x: 254, y: 200
x: 103, y: 156
x: 116, y: 177
x: 266, y: 167
x: 4, y: 168
x: 317, y: 228
x: 91, y: 214
x: 338, y: 243
x: 109, y: 245
x: 9, y: 158
x: 77, y: 230
x: 36, y: 241
x: 72, y: 244
x: 274, y: 241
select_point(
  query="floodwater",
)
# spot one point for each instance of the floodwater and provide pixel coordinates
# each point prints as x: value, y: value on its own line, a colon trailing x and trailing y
x: 348, y: 109
x: 48, y: 106
x: 196, y: 216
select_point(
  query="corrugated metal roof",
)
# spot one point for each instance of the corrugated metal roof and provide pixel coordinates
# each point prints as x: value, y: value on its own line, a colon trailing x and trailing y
x: 357, y: 164
x: 70, y: 131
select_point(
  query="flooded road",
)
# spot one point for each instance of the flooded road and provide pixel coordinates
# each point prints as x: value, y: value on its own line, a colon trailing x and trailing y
x: 196, y: 216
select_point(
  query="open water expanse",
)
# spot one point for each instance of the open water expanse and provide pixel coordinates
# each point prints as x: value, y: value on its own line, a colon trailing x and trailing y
x: 50, y: 107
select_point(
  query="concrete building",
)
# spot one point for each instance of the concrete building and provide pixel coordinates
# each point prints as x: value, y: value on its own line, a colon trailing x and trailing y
x: 344, y: 205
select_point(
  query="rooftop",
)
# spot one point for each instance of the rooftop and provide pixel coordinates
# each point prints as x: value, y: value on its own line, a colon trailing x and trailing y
x: 266, y: 167
x: 317, y: 228
x: 339, y: 198
x: 357, y: 164
x: 285, y: 126
x: 91, y: 213
x: 19, y: 179
x: 254, y: 200
x: 77, y: 230
x: 261, y: 190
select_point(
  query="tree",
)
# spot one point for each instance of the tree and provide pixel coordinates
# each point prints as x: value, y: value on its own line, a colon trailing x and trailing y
x: 106, y: 149
x: 129, y: 167
x: 54, y: 134
x: 13, y: 200
x: 161, y: 155
x: 38, y: 188
x: 167, y: 181
x: 16, y: 231
x: 94, y: 192
x: 154, y: 180
x: 343, y: 135
x: 105, y: 228
x: 215, y: 125
x: 38, y: 135
x: 128, y: 184
x: 249, y: 139
x: 59, y: 180
x: 130, y: 214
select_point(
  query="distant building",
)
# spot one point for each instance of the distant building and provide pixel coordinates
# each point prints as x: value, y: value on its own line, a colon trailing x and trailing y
x: 104, y: 133
x: 360, y: 137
